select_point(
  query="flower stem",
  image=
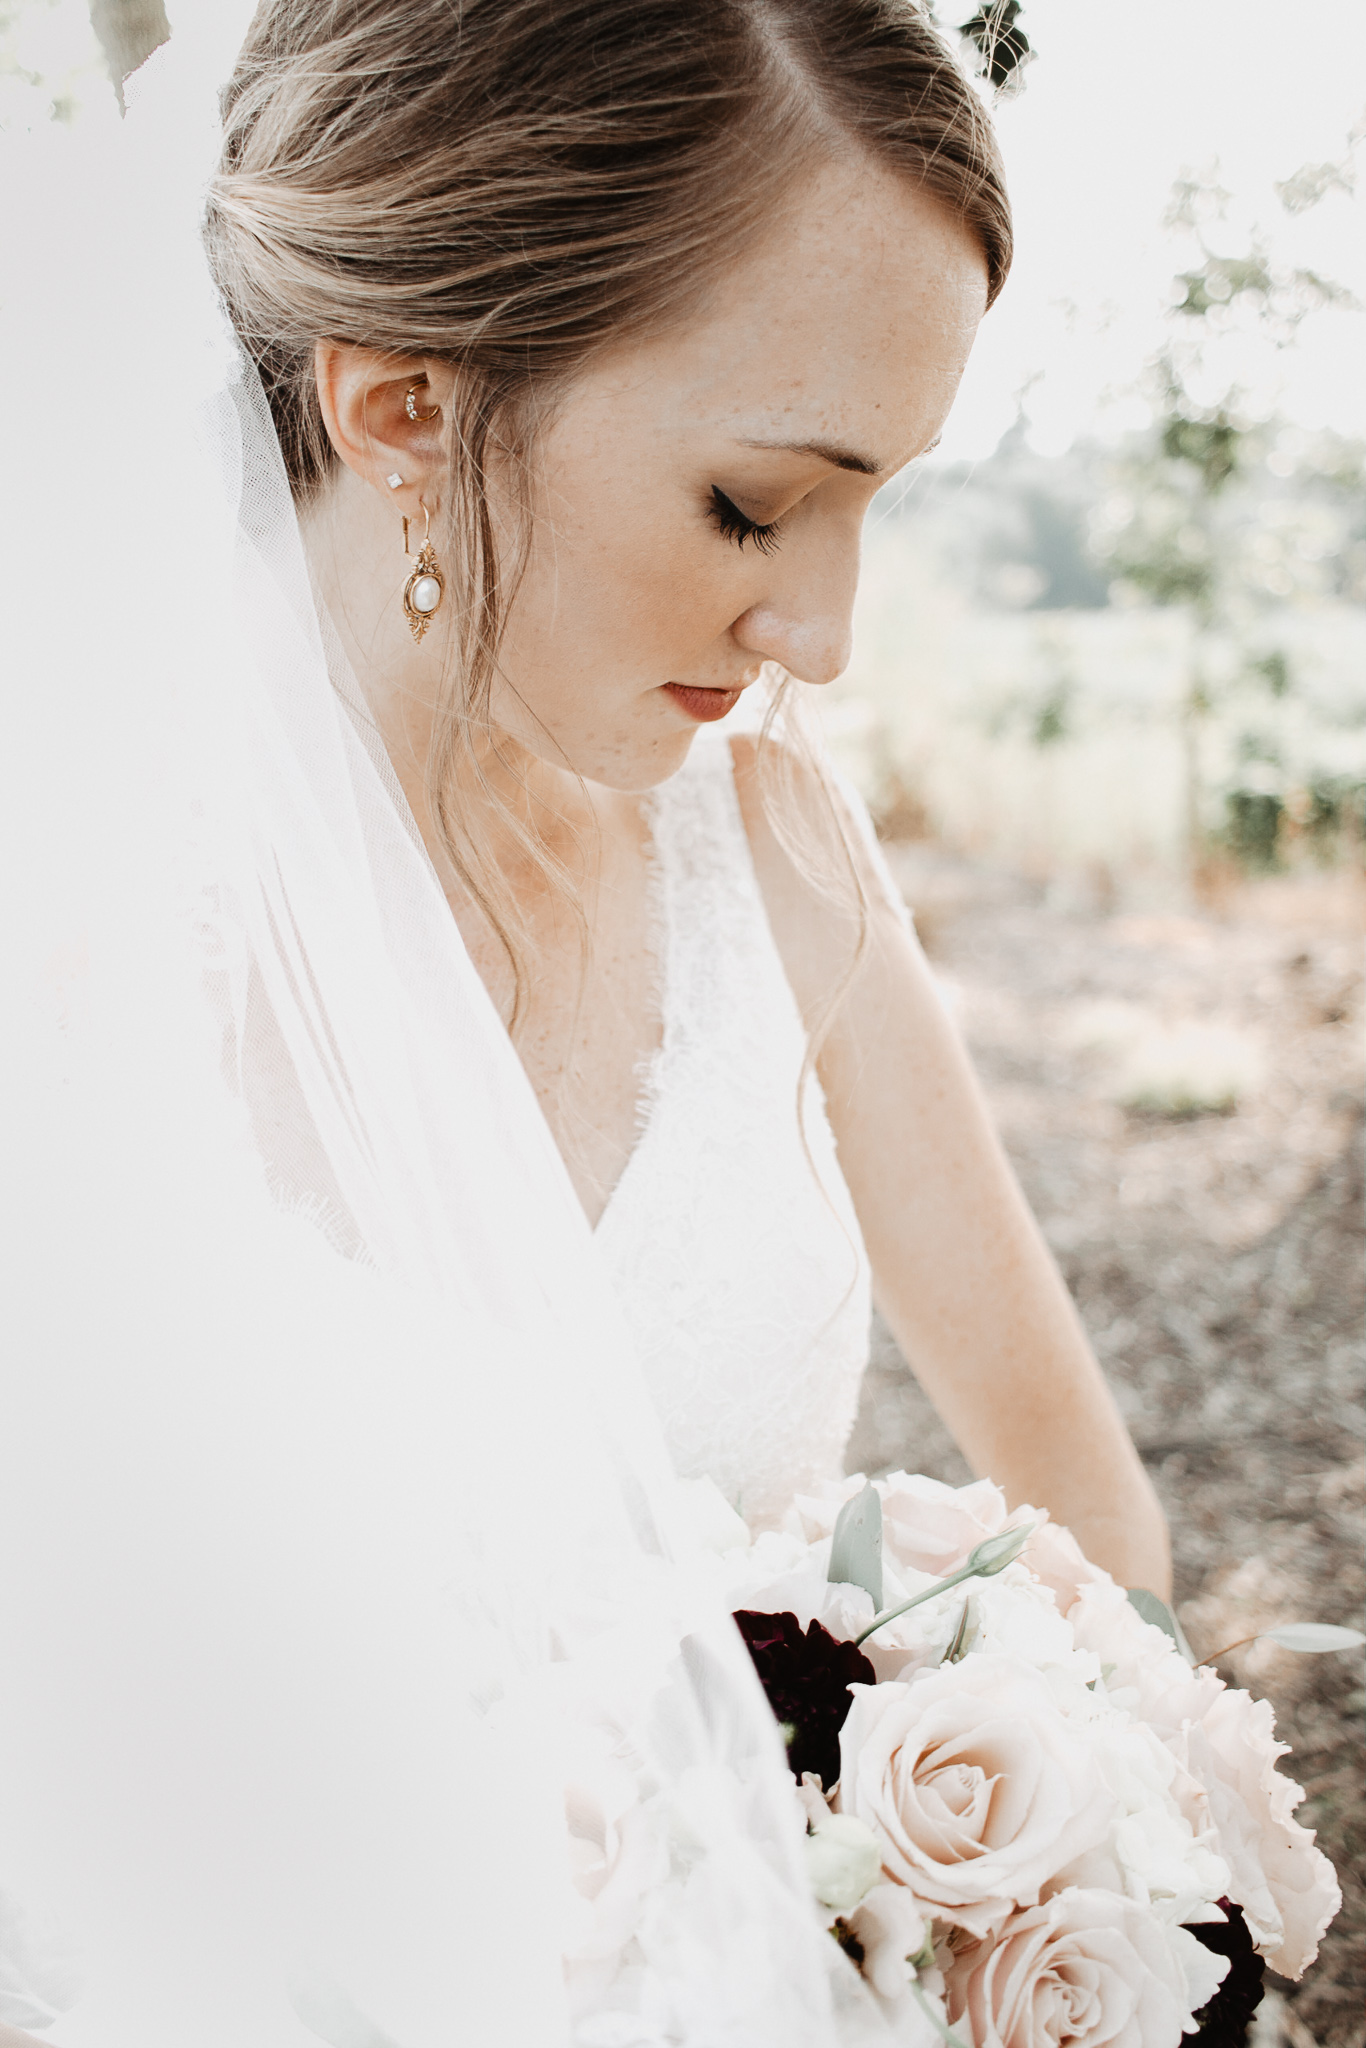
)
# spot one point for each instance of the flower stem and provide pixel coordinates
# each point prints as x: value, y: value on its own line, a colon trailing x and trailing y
x: 992, y: 1555
x: 966, y: 1571
x: 1228, y: 1648
x: 941, y: 2026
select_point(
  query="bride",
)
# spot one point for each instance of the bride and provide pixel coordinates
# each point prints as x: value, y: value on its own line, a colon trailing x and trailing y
x: 579, y: 1042
x: 626, y: 313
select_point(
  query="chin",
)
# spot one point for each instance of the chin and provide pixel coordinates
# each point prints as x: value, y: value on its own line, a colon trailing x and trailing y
x: 633, y: 768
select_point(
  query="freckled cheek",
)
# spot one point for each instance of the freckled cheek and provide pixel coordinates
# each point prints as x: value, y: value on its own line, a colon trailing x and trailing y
x: 648, y: 608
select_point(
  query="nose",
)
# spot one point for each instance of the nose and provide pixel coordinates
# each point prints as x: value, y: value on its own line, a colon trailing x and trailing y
x: 804, y: 621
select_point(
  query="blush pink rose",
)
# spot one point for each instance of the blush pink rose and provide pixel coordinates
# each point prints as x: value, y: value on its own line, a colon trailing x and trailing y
x: 1086, y: 1969
x: 930, y: 1527
x: 926, y: 1526
x: 1056, y: 1558
x: 978, y: 1788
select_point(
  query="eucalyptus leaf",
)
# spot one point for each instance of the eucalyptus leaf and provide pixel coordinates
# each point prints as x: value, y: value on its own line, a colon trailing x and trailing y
x: 856, y: 1547
x: 1314, y: 1637
x: 1160, y: 1616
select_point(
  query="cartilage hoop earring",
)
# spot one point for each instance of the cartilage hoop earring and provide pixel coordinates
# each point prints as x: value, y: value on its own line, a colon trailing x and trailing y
x: 426, y: 586
x: 410, y: 405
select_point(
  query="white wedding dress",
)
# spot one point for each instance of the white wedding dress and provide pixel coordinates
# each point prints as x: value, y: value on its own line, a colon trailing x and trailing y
x: 346, y: 1602
x: 734, y: 1247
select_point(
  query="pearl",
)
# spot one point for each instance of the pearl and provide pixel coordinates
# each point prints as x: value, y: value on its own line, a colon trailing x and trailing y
x: 426, y: 594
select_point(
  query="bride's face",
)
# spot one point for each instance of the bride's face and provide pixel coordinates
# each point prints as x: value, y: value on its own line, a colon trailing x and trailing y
x: 698, y: 498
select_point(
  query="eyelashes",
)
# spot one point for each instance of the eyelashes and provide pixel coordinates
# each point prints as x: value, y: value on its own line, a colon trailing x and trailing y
x: 732, y: 523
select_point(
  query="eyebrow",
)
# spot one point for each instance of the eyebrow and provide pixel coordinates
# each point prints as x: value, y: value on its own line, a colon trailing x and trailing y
x: 824, y: 451
x: 829, y: 451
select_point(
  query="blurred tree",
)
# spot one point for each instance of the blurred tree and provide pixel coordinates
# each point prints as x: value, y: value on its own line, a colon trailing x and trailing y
x: 1194, y: 518
x: 128, y: 31
x: 10, y: 67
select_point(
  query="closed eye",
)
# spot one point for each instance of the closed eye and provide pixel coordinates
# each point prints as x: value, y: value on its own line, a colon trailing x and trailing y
x: 731, y: 521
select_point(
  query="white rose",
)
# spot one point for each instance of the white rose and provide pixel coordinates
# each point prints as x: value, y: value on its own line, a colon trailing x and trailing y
x: 978, y: 1787
x: 1083, y: 1970
x: 1142, y: 1662
x: 1014, y: 1616
x: 1153, y: 1854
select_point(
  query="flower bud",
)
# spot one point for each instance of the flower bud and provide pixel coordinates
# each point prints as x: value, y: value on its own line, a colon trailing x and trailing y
x: 843, y: 1861
x: 998, y: 1551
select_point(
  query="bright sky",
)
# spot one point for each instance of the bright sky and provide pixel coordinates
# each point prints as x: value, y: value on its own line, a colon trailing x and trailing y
x: 1125, y: 96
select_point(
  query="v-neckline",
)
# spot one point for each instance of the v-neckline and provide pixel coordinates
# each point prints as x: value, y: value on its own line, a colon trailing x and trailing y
x: 647, y: 1119
x: 658, y: 927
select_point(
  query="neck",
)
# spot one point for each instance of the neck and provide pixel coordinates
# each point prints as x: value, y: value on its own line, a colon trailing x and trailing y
x: 354, y: 546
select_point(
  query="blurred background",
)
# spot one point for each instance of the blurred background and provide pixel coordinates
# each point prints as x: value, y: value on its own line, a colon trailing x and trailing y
x: 1108, y: 706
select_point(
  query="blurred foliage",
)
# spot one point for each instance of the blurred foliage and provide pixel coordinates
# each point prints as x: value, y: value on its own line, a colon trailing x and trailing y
x: 10, y: 65
x: 1015, y: 530
x: 1253, y: 827
x: 1221, y: 511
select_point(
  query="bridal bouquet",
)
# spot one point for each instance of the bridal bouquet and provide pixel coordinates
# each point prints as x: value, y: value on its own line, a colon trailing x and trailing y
x: 1031, y: 1823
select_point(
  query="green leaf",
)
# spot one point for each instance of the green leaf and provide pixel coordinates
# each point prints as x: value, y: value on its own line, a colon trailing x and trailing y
x: 955, y: 1652
x: 1314, y: 1637
x: 1160, y: 1616
x: 856, y: 1547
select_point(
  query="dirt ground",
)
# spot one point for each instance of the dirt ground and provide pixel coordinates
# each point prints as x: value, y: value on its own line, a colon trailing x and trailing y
x: 1216, y: 1257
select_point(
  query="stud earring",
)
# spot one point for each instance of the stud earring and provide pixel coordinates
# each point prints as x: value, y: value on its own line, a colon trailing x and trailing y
x: 410, y: 405
x: 426, y: 586
x: 394, y: 480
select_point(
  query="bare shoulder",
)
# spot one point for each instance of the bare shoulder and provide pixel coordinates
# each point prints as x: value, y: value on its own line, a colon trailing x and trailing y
x: 798, y: 854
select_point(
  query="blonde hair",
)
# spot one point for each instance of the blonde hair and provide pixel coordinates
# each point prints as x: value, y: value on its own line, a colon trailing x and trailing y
x: 512, y: 185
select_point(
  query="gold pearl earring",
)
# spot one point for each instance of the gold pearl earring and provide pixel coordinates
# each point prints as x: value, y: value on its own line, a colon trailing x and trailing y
x: 426, y: 586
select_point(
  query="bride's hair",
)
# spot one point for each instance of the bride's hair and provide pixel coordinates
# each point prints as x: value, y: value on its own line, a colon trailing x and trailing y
x: 512, y: 185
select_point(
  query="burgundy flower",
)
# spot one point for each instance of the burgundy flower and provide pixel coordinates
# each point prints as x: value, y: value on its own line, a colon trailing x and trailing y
x: 807, y: 1680
x: 1224, y: 2021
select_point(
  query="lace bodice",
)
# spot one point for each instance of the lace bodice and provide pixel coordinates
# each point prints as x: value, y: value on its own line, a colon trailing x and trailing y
x: 741, y: 1269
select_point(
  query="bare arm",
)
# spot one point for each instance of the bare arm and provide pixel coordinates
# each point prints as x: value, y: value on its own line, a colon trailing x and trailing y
x: 961, y: 1270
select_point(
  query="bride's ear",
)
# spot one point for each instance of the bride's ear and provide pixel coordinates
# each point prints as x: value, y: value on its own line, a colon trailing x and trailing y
x: 384, y: 415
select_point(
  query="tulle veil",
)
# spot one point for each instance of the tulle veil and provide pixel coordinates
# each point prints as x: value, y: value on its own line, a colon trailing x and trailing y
x: 336, y: 1534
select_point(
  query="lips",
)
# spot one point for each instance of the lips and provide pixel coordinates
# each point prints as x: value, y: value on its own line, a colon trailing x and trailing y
x: 706, y: 706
